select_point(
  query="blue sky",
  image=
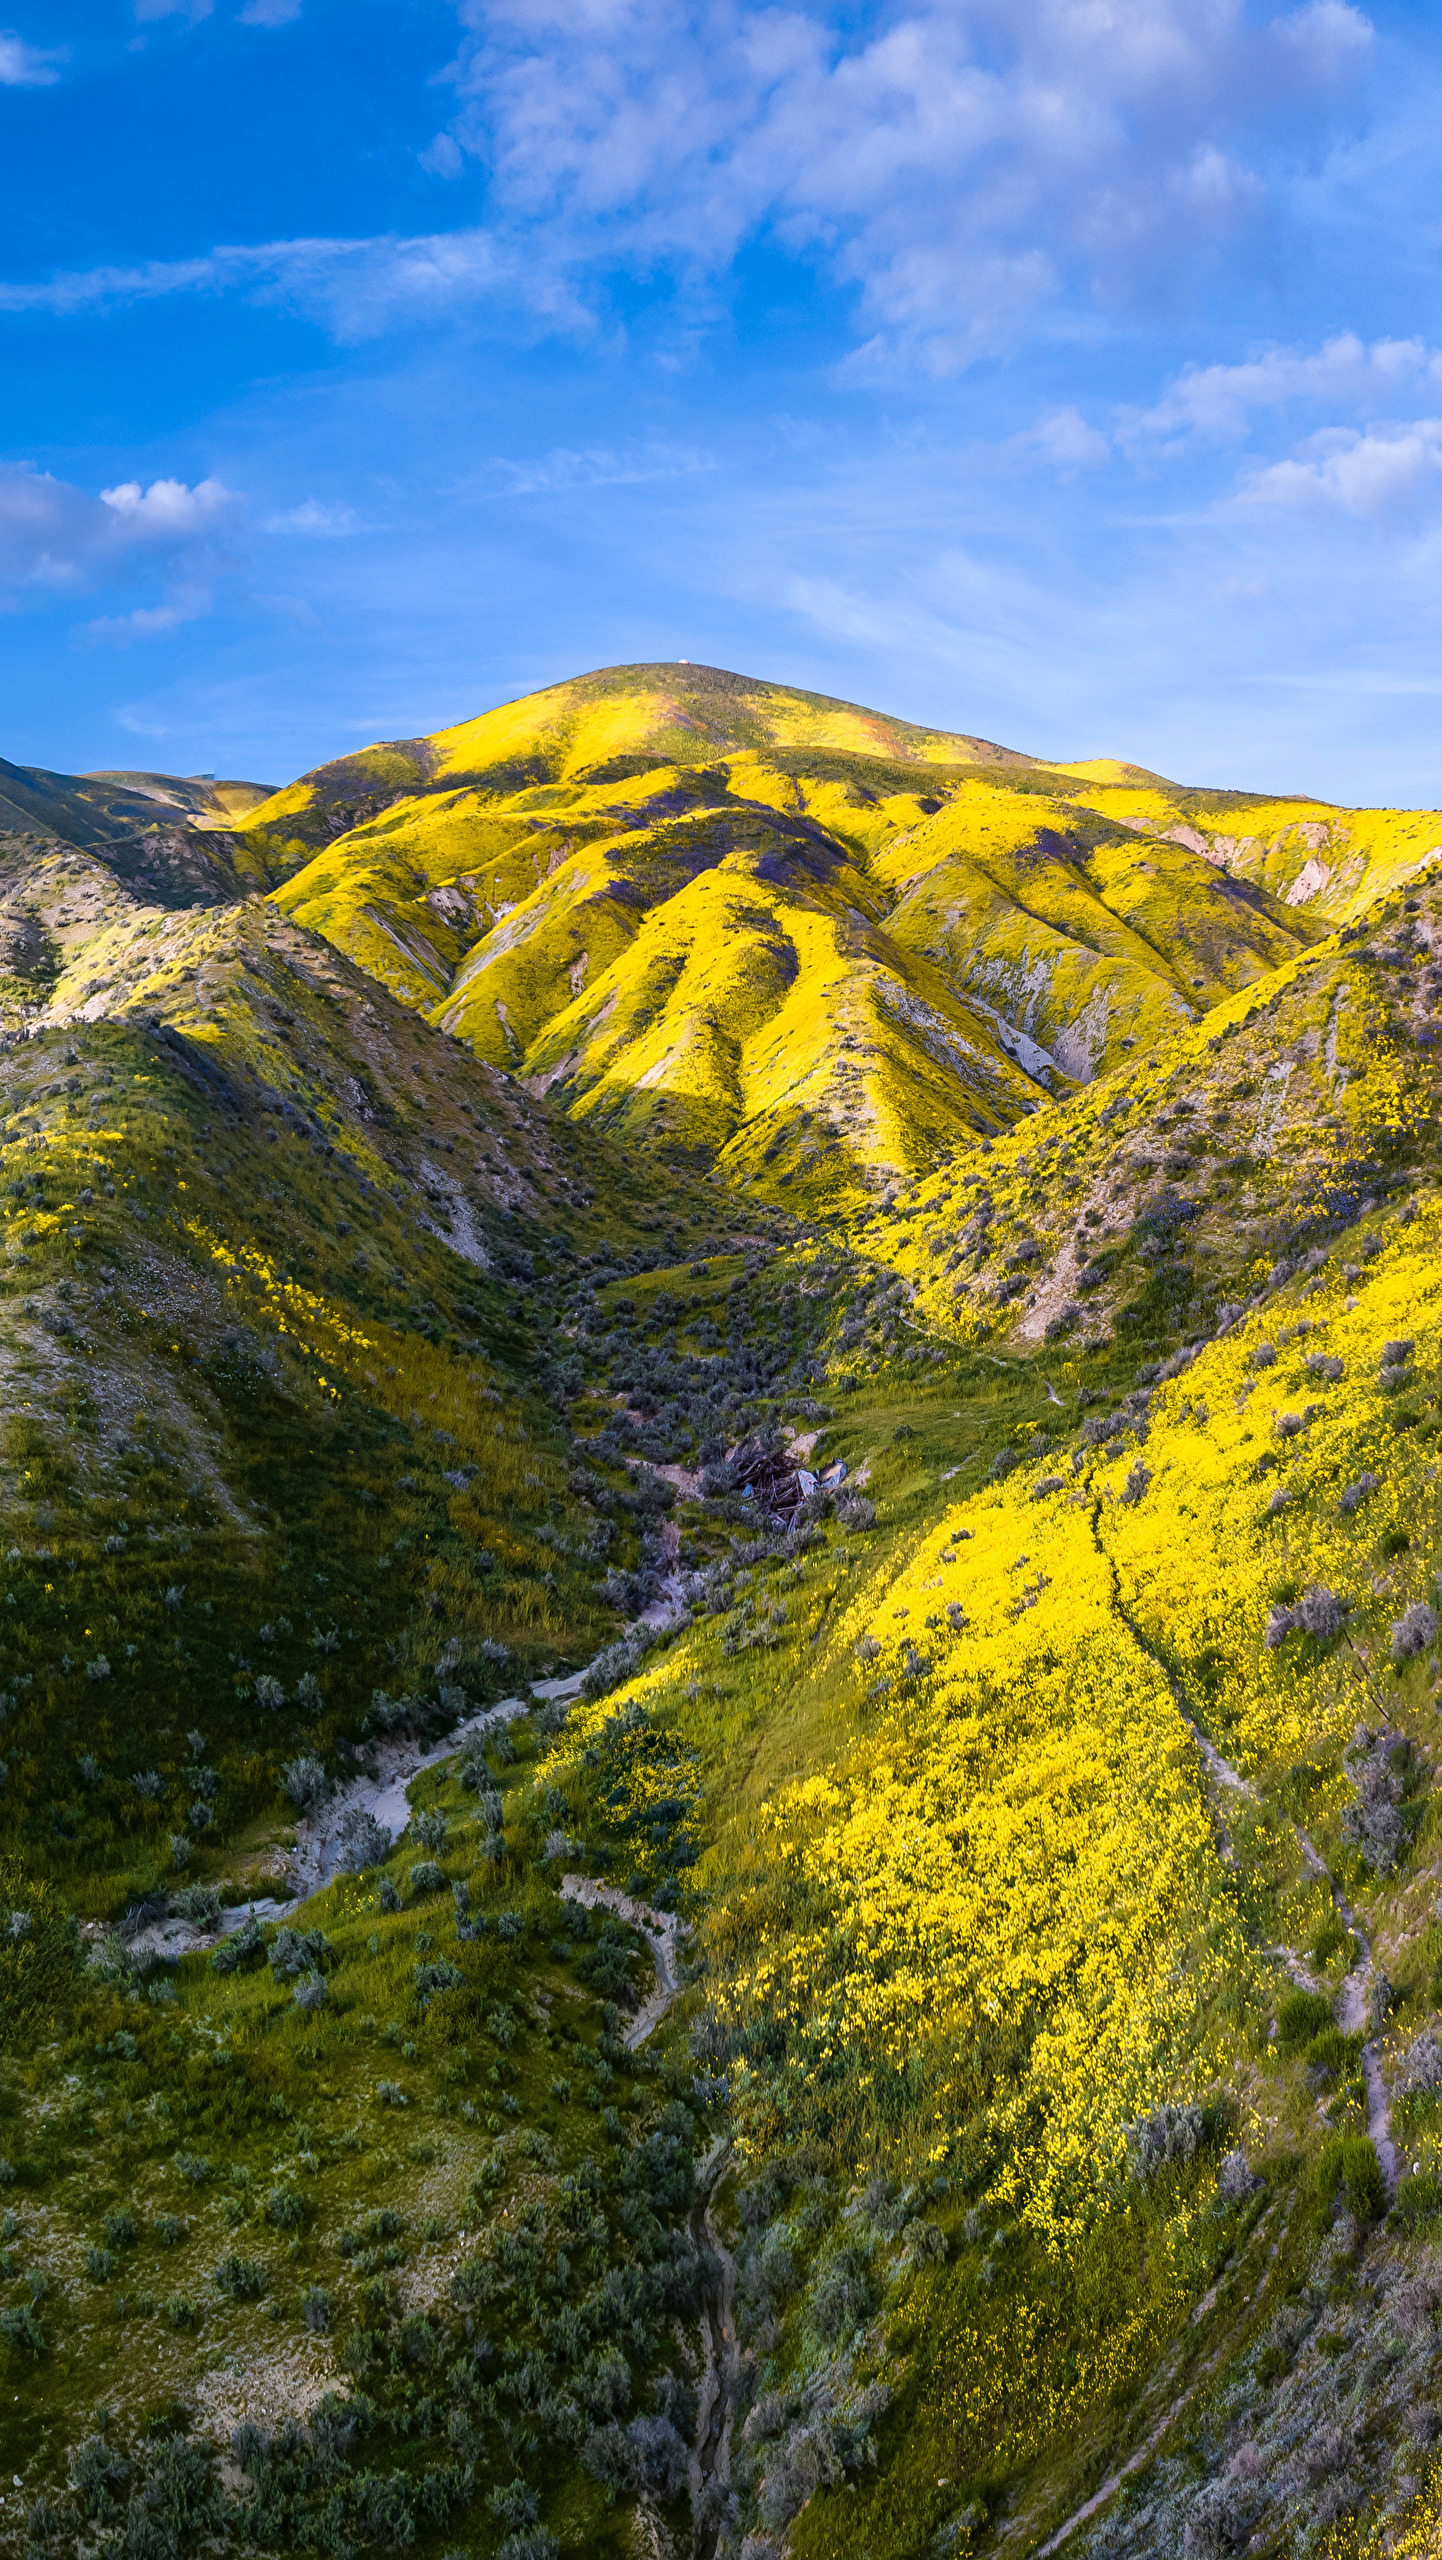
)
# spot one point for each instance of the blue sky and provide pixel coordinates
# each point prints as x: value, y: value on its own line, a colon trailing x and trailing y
x: 1068, y: 371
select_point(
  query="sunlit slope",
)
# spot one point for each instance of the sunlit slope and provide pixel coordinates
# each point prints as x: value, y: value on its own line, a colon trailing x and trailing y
x: 616, y: 722
x: 1082, y: 939
x: 761, y: 1020
x: 1306, y: 853
x: 1181, y: 1183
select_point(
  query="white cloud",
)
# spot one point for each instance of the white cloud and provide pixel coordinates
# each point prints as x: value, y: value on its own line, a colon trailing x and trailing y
x: 270, y: 13
x: 292, y: 609
x: 59, y: 540
x: 1067, y: 440
x: 959, y: 164
x: 23, y: 66
x: 145, y: 10
x: 1219, y: 399
x: 1385, y: 472
x: 167, y: 511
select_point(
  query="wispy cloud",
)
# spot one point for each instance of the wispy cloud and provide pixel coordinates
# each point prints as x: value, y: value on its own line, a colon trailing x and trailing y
x: 960, y: 167
x: 598, y: 467
x: 356, y: 287
x: 960, y: 163
x: 24, y: 66
x: 1066, y: 440
x: 312, y: 516
x: 187, y: 603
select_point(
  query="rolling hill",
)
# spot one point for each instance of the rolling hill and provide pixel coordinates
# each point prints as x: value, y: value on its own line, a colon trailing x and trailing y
x: 719, y: 1668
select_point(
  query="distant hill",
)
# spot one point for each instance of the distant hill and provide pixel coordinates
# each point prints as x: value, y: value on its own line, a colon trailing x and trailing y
x: 167, y: 832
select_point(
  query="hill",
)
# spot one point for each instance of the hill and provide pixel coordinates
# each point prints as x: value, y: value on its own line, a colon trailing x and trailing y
x: 719, y: 1653
x: 170, y: 836
x: 790, y: 941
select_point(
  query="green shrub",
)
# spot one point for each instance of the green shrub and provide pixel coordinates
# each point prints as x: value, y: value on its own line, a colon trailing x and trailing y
x: 1349, y: 2168
x: 1301, y: 2015
x: 1330, y: 2051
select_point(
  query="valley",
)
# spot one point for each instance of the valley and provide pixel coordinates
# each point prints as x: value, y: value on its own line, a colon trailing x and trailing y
x: 554, y: 2002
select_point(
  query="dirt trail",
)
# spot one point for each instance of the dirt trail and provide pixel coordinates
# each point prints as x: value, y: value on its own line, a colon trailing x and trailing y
x: 1143, y: 2452
x: 661, y: 1927
x: 716, y: 2400
x: 315, y: 1860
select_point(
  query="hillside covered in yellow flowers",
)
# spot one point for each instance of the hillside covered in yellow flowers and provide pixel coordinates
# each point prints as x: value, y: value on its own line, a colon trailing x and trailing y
x: 719, y: 1669
x: 797, y: 942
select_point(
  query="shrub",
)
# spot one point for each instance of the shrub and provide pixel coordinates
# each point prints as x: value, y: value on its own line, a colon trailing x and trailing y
x: 310, y: 1991
x: 419, y: 2343
x: 426, y: 1877
x: 182, y: 2312
x: 1413, y: 1631
x: 515, y: 2504
x: 284, y: 2209
x: 390, y: 2094
x: 99, y: 2265
x: 297, y: 1951
x: 39, y: 1959
x: 269, y: 1692
x: 843, y: 2295
x: 192, y: 2166
x: 431, y: 1832
x: 1356, y: 1494
x: 1235, y: 2179
x: 200, y: 1905
x: 922, y: 2244
x: 1374, y: 1822
x: 122, y: 2231
x: 1138, y: 1479
x: 1421, y: 2072
x: 317, y: 2307
x: 243, y: 2279
x: 181, y: 1849
x: 241, y: 1951
x: 305, y: 1783
x: 1167, y: 2136
x: 1349, y: 2167
x: 439, y: 1975
x: 1301, y: 2015
x: 170, y: 2230
x: 20, y: 2328
x: 364, y: 1842
x: 535, y: 2544
x: 97, y: 2475
x: 1320, y: 1613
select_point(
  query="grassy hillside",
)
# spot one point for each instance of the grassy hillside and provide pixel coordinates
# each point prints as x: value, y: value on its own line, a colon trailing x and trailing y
x: 987, y: 2096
